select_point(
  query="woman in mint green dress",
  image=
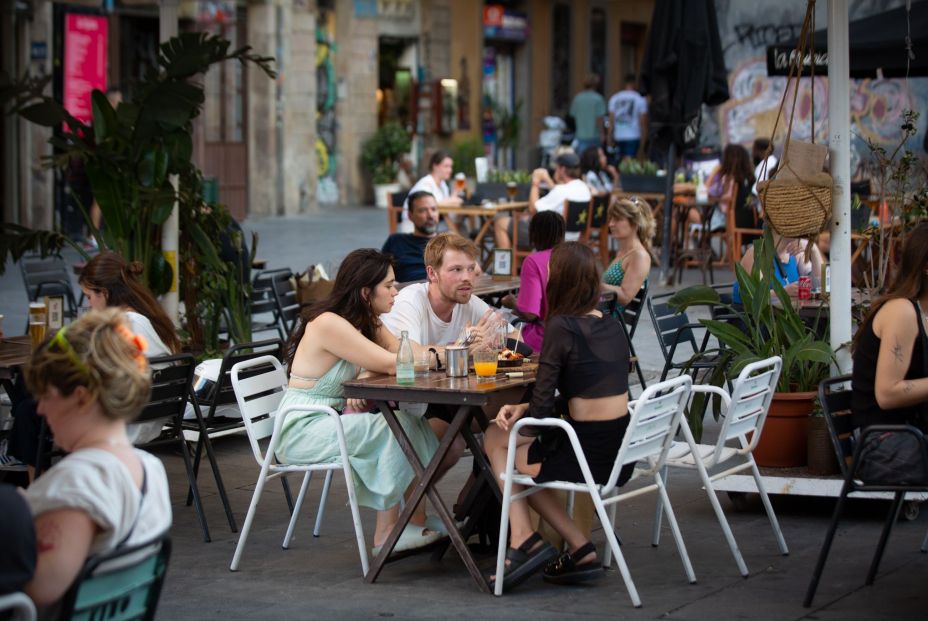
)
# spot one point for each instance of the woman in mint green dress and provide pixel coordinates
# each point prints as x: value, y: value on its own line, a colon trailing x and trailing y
x: 335, y: 340
x: 631, y: 224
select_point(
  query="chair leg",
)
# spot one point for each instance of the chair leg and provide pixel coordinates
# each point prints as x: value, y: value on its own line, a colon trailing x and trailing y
x: 322, y: 500
x: 768, y: 506
x: 295, y: 513
x: 607, y: 555
x: 503, y: 533
x: 194, y: 490
x: 284, y: 483
x: 249, y: 518
x: 723, y: 521
x: 204, y: 442
x: 675, y: 529
x: 891, y: 518
x: 606, y: 518
x: 659, y: 513
x: 826, y: 546
x: 356, y: 518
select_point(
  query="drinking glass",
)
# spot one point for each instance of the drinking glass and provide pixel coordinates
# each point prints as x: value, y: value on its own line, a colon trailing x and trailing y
x: 511, y: 190
x: 423, y: 362
x: 485, y: 361
x: 38, y: 320
x: 460, y: 182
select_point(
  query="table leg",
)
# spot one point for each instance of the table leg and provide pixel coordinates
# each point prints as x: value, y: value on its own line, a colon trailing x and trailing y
x: 425, y: 485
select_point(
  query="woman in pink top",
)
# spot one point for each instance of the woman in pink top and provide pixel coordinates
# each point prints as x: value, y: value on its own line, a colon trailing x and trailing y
x: 546, y: 230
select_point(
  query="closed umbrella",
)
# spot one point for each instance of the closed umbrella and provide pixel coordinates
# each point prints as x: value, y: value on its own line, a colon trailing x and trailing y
x: 683, y: 68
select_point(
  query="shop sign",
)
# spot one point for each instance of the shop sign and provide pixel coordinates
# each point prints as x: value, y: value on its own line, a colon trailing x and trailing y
x: 504, y: 24
x: 85, y: 48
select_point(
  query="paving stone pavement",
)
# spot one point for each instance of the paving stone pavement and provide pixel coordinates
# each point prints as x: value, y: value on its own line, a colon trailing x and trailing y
x: 320, y: 578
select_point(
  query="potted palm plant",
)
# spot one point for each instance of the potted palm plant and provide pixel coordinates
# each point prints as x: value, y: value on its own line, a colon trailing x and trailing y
x: 380, y: 157
x: 767, y: 324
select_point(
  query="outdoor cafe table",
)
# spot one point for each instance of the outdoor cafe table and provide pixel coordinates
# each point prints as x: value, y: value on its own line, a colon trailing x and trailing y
x: 484, y: 214
x: 470, y: 396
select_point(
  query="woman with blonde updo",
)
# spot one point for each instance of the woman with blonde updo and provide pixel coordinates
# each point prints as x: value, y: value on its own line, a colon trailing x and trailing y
x: 90, y: 378
x: 631, y: 224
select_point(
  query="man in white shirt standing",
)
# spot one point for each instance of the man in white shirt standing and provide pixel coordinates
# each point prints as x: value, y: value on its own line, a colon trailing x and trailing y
x: 628, y: 117
x: 566, y: 186
x: 437, y: 313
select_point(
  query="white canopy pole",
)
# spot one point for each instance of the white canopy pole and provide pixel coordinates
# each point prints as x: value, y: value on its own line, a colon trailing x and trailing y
x: 170, y: 230
x: 839, y: 135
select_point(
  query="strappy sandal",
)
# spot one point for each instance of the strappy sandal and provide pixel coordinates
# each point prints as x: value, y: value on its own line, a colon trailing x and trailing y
x: 566, y: 570
x: 523, y: 561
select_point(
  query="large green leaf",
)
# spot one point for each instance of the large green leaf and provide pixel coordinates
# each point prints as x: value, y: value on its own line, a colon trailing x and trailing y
x: 697, y: 295
x: 730, y: 335
x: 810, y: 351
x: 163, y: 203
x: 160, y: 274
x: 153, y: 167
x: 104, y: 117
x: 110, y: 195
x: 179, y: 147
x: 47, y: 113
x: 191, y: 53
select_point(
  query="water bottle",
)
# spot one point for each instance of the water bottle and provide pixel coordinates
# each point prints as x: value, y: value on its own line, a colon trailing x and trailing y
x: 405, y: 361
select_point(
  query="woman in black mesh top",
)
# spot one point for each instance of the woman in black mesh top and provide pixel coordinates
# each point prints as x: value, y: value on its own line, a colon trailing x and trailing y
x: 584, y: 357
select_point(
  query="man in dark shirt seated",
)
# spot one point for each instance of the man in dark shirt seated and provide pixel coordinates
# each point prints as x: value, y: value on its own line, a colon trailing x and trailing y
x: 408, y: 248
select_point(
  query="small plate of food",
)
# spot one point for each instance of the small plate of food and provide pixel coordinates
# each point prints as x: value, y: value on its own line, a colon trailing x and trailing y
x: 509, y: 358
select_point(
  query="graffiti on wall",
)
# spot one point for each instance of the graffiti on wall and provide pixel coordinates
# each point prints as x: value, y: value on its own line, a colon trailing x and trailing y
x: 326, y: 126
x: 876, y: 105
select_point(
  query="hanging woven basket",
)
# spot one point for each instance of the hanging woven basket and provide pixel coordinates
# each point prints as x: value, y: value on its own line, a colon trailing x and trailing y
x: 797, y: 207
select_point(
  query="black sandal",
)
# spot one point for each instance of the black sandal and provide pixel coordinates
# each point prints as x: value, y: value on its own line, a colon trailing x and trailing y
x: 566, y: 570
x: 523, y: 562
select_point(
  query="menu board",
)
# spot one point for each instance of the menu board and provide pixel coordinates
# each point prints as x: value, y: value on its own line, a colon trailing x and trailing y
x: 85, y: 47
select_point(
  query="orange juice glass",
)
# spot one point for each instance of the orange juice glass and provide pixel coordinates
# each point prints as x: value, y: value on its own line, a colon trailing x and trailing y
x: 485, y: 363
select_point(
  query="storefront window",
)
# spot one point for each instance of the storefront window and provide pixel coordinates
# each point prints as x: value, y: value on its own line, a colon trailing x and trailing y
x: 598, y: 44
x: 560, y: 65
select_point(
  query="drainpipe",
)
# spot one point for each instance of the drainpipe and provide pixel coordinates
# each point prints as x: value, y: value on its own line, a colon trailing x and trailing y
x: 839, y: 134
x: 167, y: 16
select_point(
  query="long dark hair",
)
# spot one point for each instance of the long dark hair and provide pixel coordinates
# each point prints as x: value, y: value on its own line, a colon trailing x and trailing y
x: 573, y: 280
x: 589, y: 160
x: 110, y: 273
x: 546, y: 230
x: 363, y: 268
x: 736, y: 164
x: 910, y: 280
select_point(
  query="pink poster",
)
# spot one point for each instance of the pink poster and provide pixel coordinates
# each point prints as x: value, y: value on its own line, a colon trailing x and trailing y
x: 85, y: 47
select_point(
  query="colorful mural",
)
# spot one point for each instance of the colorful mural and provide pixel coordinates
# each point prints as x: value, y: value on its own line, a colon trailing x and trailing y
x: 876, y: 105
x: 326, y: 124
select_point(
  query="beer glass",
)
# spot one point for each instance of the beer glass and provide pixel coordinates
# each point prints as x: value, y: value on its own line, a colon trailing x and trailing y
x: 511, y: 190
x: 38, y: 320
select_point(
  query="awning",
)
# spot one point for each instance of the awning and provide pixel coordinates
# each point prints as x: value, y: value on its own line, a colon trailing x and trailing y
x: 877, y: 43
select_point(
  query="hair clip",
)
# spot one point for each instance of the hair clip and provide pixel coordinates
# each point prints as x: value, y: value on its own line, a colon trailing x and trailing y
x: 138, y: 342
x: 60, y: 340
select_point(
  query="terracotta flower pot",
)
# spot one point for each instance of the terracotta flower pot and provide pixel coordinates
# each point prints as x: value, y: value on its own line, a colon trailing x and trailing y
x: 783, y: 439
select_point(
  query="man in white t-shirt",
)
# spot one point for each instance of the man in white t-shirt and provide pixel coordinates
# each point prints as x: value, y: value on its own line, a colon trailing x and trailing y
x: 762, y: 151
x: 628, y: 117
x: 566, y: 186
x: 436, y: 313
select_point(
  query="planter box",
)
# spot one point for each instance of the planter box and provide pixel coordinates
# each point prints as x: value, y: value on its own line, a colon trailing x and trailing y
x: 643, y: 183
x: 783, y: 440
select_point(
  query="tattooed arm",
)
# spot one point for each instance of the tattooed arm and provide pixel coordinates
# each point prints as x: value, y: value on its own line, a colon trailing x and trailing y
x: 896, y: 326
x: 63, y: 539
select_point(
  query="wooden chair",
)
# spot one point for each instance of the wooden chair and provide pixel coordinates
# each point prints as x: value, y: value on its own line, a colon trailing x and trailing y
x: 597, y: 231
x: 577, y: 216
x: 395, y: 209
x: 735, y: 234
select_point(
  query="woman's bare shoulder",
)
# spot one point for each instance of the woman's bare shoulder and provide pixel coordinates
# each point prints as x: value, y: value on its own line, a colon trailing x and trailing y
x: 898, y: 315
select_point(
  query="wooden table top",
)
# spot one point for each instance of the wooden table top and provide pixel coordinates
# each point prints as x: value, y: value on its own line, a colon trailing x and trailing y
x: 436, y: 387
x: 488, y: 285
x: 15, y: 351
x: 481, y: 210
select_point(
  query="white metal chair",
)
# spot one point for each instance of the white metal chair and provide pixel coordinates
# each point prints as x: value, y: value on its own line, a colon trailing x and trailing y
x: 18, y: 605
x: 259, y: 385
x: 654, y: 420
x: 744, y: 413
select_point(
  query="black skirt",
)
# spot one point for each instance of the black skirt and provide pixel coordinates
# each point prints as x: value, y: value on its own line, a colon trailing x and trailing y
x: 600, y: 441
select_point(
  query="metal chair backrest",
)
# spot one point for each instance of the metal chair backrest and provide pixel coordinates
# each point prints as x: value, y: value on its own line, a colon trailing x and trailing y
x: 288, y: 306
x: 17, y: 607
x: 599, y: 211
x: 834, y: 395
x: 653, y: 423
x: 48, y: 276
x: 725, y: 297
x: 171, y: 382
x: 577, y: 216
x: 631, y: 314
x: 259, y: 385
x: 667, y: 323
x: 120, y: 585
x: 750, y: 402
x: 222, y: 392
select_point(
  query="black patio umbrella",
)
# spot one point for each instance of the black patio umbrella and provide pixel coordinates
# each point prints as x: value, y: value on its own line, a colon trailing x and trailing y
x: 683, y: 68
x: 877, y: 42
